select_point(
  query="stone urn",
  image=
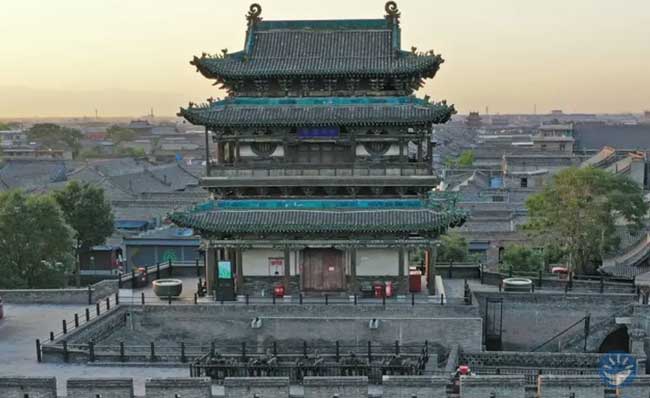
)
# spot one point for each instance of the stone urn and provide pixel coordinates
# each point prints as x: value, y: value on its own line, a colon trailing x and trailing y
x: 167, y: 287
x: 517, y: 285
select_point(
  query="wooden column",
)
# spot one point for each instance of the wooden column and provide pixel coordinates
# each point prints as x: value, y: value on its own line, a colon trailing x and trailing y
x: 402, y: 261
x: 207, y: 152
x: 287, y: 268
x: 354, y: 287
x: 239, y: 268
x: 210, y: 268
x: 420, y: 149
x: 432, y: 253
x: 237, y: 156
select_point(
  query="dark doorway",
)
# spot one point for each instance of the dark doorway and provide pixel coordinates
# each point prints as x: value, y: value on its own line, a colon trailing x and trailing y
x: 617, y: 341
x: 323, y: 270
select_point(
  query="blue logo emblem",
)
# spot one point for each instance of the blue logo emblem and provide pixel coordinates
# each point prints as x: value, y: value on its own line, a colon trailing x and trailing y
x: 617, y: 369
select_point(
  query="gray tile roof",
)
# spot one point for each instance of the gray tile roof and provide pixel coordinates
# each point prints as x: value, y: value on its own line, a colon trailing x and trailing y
x: 231, y: 113
x: 320, y: 48
x: 312, y: 221
x: 31, y: 175
x: 595, y: 136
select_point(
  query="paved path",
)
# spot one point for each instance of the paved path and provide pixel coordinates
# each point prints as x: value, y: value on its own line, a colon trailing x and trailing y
x: 23, y: 324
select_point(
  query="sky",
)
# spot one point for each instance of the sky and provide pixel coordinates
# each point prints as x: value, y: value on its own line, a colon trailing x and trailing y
x: 124, y: 57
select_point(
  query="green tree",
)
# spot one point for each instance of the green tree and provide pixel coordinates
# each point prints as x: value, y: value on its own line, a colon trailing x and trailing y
x: 55, y: 136
x: 89, y: 214
x: 8, y: 126
x: 453, y: 248
x: 578, y: 210
x: 521, y: 258
x: 466, y: 159
x: 35, y: 242
x: 119, y: 134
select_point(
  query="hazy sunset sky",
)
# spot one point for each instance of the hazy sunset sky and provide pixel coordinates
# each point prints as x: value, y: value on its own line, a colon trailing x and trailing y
x: 122, y: 57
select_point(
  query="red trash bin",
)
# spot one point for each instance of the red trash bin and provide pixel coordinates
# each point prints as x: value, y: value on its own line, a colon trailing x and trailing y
x: 378, y: 289
x: 415, y: 281
x: 278, y: 291
x: 389, y: 289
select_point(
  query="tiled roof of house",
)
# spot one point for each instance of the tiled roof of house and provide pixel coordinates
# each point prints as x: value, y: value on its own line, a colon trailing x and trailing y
x: 321, y: 111
x: 320, y: 48
x: 313, y: 221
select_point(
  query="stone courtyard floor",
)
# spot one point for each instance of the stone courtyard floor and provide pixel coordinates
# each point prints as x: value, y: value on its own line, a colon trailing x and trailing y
x: 23, y: 324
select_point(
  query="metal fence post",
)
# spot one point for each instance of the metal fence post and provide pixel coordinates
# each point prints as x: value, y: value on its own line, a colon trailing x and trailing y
x: 157, y: 270
x: 90, y: 295
x: 247, y: 299
x: 117, y: 298
x: 87, y: 315
x: 412, y: 299
x: 108, y: 303
x: 76, y: 320
x: 196, y: 298
x: 51, y: 335
x: 243, y: 351
x: 122, y: 357
x: 300, y: 298
x: 134, y: 281
x: 183, y: 359
x: 396, y: 347
x: 97, y: 309
x: 65, y: 327
x: 38, y: 351
x: 170, y: 268
x: 539, y: 278
x: 369, y: 352
x: 169, y: 300
x: 355, y: 299
x: 142, y: 297
x: 65, y: 351
x: 338, y: 351
x: 327, y: 297
x: 153, y: 351
x: 304, y: 349
x: 91, y: 350
x: 442, y: 299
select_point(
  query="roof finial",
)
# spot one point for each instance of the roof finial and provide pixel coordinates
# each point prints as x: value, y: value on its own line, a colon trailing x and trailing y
x: 254, y: 12
x: 392, y: 12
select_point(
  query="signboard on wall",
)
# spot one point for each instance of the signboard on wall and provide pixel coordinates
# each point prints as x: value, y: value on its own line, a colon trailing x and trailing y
x: 224, y: 270
x: 318, y: 132
x: 276, y: 266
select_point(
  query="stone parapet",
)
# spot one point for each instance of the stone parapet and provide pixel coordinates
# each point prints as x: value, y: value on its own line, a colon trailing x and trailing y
x: 263, y: 387
x: 501, y: 386
x: 550, y: 386
x: 415, y: 386
x: 105, y: 388
x: 343, y: 387
x: 33, y: 387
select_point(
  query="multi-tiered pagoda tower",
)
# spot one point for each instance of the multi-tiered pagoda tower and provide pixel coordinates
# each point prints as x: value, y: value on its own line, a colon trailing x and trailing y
x: 319, y: 158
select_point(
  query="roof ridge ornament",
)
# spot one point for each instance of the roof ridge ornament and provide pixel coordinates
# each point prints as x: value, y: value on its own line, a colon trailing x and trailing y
x: 253, y: 15
x: 392, y: 12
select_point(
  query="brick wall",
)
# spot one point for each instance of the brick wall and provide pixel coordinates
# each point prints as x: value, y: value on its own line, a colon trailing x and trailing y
x: 264, y: 387
x: 418, y: 386
x: 106, y: 388
x: 327, y: 387
x: 181, y: 387
x: 500, y: 386
x: 562, y: 386
x: 98, y: 291
x: 35, y: 387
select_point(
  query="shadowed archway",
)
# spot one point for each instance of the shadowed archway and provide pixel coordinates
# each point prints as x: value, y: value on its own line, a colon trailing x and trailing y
x: 617, y: 341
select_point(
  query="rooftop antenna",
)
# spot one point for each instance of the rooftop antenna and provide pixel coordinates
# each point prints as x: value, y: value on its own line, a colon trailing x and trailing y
x: 151, y: 113
x: 535, y: 109
x: 487, y: 110
x: 96, y: 114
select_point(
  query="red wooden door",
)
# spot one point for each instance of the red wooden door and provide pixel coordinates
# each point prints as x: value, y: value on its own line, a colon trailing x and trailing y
x: 323, y: 270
